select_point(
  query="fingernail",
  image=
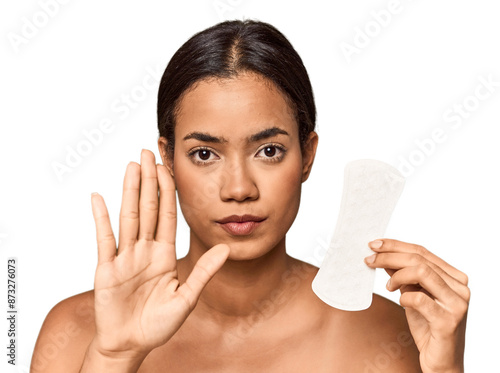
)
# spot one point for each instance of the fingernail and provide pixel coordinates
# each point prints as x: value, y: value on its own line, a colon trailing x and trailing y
x: 388, y: 285
x: 94, y: 193
x: 376, y: 244
x: 370, y: 259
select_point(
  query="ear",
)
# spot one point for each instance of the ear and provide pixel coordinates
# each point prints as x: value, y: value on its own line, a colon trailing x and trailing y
x: 167, y: 161
x: 308, y: 154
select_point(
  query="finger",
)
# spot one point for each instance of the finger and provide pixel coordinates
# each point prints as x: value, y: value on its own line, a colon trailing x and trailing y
x: 422, y: 303
x: 106, y: 245
x: 428, y: 279
x: 129, y: 213
x: 390, y: 271
x: 148, y: 202
x: 395, y: 261
x: 205, y: 268
x: 405, y: 288
x: 390, y: 245
x: 167, y: 217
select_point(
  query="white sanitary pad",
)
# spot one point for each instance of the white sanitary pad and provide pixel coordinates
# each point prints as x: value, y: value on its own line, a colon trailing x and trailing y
x: 370, y: 193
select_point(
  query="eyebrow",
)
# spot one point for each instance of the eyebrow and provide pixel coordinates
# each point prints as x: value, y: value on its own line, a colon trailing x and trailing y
x: 264, y: 134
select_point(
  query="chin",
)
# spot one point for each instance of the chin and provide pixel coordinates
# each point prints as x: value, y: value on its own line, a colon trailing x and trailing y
x: 244, y: 252
x: 251, y: 249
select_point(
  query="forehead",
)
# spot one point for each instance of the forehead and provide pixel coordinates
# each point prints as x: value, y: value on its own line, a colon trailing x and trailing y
x: 232, y: 107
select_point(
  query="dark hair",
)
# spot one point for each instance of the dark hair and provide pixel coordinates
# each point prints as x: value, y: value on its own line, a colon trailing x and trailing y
x: 225, y: 50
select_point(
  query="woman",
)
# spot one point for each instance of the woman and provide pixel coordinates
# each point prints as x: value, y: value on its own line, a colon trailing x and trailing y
x: 236, y: 116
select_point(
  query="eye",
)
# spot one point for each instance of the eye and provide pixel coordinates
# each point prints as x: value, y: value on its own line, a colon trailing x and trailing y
x: 202, y: 155
x: 272, y: 152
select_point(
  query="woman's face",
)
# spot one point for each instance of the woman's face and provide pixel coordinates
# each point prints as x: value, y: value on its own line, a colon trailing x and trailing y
x: 237, y: 152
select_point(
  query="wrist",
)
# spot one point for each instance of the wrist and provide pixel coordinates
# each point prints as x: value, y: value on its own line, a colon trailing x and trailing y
x: 97, y: 361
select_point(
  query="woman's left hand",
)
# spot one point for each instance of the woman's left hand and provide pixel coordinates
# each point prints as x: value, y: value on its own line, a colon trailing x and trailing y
x: 435, y: 297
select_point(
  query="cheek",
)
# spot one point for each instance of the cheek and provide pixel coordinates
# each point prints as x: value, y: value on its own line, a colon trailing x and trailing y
x: 195, y: 191
x: 282, y: 190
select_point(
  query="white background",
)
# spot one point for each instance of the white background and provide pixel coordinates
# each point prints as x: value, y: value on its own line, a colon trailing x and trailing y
x: 393, y: 92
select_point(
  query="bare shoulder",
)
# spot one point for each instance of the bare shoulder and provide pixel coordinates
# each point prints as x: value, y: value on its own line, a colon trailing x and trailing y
x: 388, y: 345
x: 65, y: 334
x: 374, y: 340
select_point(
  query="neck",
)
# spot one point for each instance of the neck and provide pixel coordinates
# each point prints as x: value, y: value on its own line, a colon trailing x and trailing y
x: 242, y: 289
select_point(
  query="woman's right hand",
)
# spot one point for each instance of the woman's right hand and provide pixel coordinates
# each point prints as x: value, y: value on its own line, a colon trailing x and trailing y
x: 139, y: 303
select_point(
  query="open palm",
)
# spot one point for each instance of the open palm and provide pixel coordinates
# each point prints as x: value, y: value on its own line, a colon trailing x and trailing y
x: 139, y: 303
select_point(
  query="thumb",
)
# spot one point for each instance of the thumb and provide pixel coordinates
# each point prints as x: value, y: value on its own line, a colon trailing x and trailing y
x: 206, y: 267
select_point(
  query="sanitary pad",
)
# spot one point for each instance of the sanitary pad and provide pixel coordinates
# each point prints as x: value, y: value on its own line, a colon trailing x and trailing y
x: 370, y: 193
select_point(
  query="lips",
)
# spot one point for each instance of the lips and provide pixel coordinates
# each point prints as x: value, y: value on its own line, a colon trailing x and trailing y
x: 240, y: 219
x: 240, y: 225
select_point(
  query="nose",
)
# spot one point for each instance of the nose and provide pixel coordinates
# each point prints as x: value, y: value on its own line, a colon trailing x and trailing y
x: 238, y: 183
